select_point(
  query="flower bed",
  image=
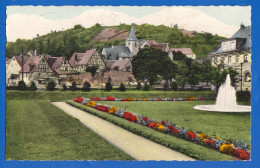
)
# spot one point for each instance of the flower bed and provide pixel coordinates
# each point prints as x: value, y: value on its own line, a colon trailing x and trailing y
x: 238, y: 149
x: 109, y: 98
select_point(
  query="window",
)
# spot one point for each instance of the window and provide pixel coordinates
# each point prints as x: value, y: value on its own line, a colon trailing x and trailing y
x: 245, y: 58
x: 237, y: 59
x: 222, y: 60
x: 247, y: 77
x: 229, y: 59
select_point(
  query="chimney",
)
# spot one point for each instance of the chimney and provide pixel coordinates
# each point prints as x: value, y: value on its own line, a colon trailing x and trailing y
x: 242, y: 26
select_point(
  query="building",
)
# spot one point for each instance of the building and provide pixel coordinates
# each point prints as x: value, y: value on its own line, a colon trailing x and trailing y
x: 124, y: 65
x: 132, y: 47
x: 235, y: 52
x: 186, y: 51
x: 61, y: 66
x: 80, y: 61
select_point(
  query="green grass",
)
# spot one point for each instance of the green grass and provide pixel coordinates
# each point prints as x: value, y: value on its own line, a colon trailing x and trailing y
x: 68, y: 95
x: 229, y: 126
x: 188, y: 148
x: 37, y: 130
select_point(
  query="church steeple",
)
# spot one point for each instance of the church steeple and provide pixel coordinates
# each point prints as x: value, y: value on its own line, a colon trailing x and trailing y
x: 132, y: 42
x: 132, y: 36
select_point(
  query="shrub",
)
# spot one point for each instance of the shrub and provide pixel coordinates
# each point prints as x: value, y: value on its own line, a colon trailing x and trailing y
x: 109, y: 86
x: 86, y: 87
x: 64, y: 86
x: 139, y: 86
x: 21, y: 85
x: 51, y: 85
x: 33, y: 87
x: 146, y: 87
x: 243, y: 96
x: 73, y: 86
x: 122, y: 87
x: 174, y: 86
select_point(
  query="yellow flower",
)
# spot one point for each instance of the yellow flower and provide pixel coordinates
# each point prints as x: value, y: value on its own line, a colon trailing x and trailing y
x: 143, y: 99
x: 91, y: 104
x: 217, y: 138
x: 226, y: 148
x: 130, y: 99
x: 203, y: 137
x: 160, y: 128
x: 158, y: 125
x: 112, y: 110
x: 155, y: 122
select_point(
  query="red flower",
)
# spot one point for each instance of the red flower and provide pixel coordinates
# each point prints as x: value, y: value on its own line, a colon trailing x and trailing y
x: 176, y: 131
x: 130, y: 117
x: 241, y: 154
x: 96, y: 99
x: 108, y: 98
x: 159, y: 99
x: 163, y: 122
x: 151, y: 125
x: 102, y: 108
x: 191, y: 135
x: 170, y: 127
x: 209, y: 142
x: 78, y: 99
x: 201, y: 98
x: 173, y: 99
x: 145, y: 118
x: 124, y: 99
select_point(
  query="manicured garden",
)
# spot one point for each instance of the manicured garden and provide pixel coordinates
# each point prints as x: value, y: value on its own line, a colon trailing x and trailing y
x: 37, y: 130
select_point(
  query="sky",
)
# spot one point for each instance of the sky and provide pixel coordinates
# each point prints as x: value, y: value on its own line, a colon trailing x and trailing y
x: 41, y: 20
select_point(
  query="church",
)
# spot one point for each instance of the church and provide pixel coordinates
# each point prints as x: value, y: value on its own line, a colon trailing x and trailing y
x: 132, y: 46
x: 235, y: 52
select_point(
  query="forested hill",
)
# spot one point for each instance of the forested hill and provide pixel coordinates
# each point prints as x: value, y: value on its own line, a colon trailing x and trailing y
x: 78, y: 39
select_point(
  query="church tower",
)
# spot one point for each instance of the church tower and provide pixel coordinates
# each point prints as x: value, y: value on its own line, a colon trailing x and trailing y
x: 132, y: 42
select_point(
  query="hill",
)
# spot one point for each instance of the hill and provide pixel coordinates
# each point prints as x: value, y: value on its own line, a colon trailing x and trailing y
x: 78, y: 39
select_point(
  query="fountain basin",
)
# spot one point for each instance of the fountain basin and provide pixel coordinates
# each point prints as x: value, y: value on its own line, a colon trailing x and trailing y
x: 237, y: 108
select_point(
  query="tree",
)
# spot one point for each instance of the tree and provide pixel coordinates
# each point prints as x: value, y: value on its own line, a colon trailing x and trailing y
x: 183, y: 72
x: 174, y: 86
x: 86, y: 86
x: 206, y: 71
x: 109, y: 86
x: 21, y: 85
x: 139, y: 86
x: 33, y: 87
x: 194, y: 76
x: 146, y: 87
x: 150, y: 64
x: 122, y: 87
x: 73, y: 86
x: 92, y: 70
x: 64, y: 87
x: 51, y: 85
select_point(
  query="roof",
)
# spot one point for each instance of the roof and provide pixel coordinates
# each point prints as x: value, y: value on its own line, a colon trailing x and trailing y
x: 186, y: 51
x: 243, y: 37
x: 117, y: 52
x: 244, y: 32
x: 161, y: 46
x: 81, y: 58
x: 117, y: 63
x: 31, y: 63
x: 132, y: 36
x: 54, y: 62
x: 21, y: 59
x: 7, y: 61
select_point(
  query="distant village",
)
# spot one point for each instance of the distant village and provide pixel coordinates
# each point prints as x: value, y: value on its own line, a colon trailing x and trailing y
x: 115, y: 62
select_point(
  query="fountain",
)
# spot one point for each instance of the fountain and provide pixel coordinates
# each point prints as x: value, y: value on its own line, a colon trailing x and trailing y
x: 226, y: 100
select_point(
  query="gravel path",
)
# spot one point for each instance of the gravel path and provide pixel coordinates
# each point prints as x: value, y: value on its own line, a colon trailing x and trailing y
x: 132, y: 144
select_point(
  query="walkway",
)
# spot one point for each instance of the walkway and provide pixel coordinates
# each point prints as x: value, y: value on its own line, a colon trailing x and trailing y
x: 132, y: 144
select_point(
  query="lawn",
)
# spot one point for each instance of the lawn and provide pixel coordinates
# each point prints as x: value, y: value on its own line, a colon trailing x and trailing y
x: 229, y: 126
x: 37, y: 130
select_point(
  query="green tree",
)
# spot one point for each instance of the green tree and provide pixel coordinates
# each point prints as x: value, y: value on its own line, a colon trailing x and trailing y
x: 86, y: 86
x: 122, y: 87
x: 151, y: 64
x: 206, y: 71
x: 73, y: 86
x: 182, y: 77
x: 92, y: 70
x: 51, y: 85
x: 21, y: 85
x: 33, y: 86
x: 194, y: 76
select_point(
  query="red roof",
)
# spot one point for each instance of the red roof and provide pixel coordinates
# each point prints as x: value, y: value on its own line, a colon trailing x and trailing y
x: 81, y: 58
x: 19, y: 59
x: 54, y: 62
x: 186, y: 51
x: 31, y: 63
